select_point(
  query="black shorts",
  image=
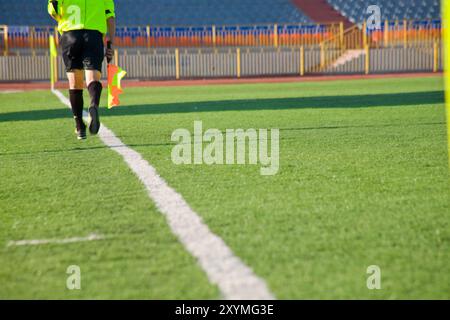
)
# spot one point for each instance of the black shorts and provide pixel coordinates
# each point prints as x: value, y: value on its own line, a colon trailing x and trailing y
x: 82, y: 49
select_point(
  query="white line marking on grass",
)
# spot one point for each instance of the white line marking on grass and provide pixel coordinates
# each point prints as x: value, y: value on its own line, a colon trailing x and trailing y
x: 235, y: 279
x: 36, y: 242
x: 10, y: 91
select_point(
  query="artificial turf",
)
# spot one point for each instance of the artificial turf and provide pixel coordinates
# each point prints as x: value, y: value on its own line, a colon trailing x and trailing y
x: 363, y: 181
x: 54, y: 187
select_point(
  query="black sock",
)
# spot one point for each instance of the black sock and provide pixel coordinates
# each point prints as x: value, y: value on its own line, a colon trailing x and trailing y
x: 76, y: 101
x: 95, y: 91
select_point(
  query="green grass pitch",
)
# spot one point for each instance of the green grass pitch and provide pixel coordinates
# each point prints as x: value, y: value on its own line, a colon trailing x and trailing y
x: 363, y: 181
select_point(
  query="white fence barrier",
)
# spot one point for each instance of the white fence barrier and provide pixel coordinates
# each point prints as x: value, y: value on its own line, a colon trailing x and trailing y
x: 161, y: 64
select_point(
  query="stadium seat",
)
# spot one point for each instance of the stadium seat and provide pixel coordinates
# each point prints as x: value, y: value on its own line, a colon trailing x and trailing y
x: 355, y: 10
x: 222, y: 12
x: 170, y: 12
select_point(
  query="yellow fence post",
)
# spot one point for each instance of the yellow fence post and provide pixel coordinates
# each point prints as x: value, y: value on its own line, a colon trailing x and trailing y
x: 31, y: 39
x: 364, y: 33
x: 341, y: 34
x: 238, y: 62
x: 302, y: 61
x: 435, y: 56
x: 275, y: 36
x: 5, y: 38
x: 386, y: 33
x: 367, y: 67
x: 214, y: 37
x: 405, y: 34
x: 177, y: 63
x: 148, y: 36
x: 322, y: 55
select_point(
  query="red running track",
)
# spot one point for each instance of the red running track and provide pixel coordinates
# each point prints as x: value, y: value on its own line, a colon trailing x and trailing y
x: 41, y: 85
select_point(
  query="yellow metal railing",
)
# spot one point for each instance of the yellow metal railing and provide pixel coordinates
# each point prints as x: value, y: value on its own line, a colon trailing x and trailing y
x: 405, y: 33
x: 331, y: 38
x: 424, y: 35
x: 277, y: 35
x: 4, y: 39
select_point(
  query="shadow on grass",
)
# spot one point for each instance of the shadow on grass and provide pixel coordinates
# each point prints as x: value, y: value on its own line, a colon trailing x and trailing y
x: 167, y: 144
x: 329, y: 102
x: 82, y: 149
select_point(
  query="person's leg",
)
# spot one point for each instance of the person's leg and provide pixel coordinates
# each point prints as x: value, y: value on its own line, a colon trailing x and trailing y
x: 93, y: 59
x: 94, y: 87
x: 92, y: 76
x: 72, y: 46
x: 76, y: 79
x: 76, y: 100
x: 95, y: 91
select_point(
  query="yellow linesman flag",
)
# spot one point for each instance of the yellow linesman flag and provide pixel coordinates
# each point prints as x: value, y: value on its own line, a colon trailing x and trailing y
x: 115, y: 75
x: 446, y: 33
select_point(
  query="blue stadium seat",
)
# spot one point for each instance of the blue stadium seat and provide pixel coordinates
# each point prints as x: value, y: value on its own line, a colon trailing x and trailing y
x: 355, y: 10
x: 169, y: 12
x: 222, y: 12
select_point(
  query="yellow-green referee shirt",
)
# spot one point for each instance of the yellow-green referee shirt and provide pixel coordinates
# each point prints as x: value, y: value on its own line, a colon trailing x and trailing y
x: 81, y: 14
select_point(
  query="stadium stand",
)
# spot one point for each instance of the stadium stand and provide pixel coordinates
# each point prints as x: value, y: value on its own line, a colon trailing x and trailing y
x: 355, y: 10
x: 321, y: 11
x: 13, y: 13
x: 169, y: 12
